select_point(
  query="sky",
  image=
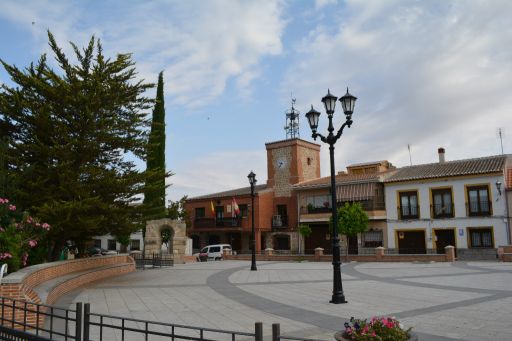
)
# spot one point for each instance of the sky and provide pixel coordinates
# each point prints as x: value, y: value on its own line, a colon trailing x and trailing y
x: 427, y: 74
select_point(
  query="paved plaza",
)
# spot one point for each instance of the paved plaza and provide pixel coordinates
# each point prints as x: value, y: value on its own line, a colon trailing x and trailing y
x: 442, y: 301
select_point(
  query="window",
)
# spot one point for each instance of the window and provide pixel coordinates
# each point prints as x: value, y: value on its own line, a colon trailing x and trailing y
x: 481, y: 238
x: 442, y: 204
x: 319, y: 204
x: 214, y: 249
x: 200, y: 212
x: 135, y: 244
x: 479, y: 203
x: 372, y: 238
x: 112, y: 245
x: 409, y: 208
x: 243, y: 210
x: 97, y: 243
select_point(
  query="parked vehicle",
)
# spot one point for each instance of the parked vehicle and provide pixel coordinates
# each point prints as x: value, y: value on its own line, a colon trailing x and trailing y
x: 212, y: 252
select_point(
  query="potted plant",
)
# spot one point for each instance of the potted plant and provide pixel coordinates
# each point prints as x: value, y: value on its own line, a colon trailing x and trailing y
x: 378, y: 328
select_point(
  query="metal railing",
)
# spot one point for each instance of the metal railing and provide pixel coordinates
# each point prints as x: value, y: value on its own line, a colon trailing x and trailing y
x: 277, y: 336
x: 441, y: 211
x: 22, y: 320
x: 155, y: 260
x: 279, y: 220
x: 101, y: 327
x: 39, y: 321
x: 408, y: 212
x: 411, y: 251
x: 478, y: 208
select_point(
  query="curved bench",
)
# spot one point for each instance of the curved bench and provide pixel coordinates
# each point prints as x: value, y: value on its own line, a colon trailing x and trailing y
x: 45, y: 283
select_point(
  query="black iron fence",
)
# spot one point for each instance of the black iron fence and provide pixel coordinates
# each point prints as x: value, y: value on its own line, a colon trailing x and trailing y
x: 154, y: 260
x: 21, y: 320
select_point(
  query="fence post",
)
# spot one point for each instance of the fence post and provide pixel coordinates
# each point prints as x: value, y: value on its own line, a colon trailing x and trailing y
x: 258, y: 331
x: 276, y: 332
x: 87, y: 310
x: 78, y: 322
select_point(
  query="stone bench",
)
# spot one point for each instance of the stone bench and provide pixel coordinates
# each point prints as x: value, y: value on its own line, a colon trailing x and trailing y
x: 45, y: 283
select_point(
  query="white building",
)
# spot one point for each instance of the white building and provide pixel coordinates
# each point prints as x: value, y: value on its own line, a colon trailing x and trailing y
x: 461, y: 203
x: 109, y: 242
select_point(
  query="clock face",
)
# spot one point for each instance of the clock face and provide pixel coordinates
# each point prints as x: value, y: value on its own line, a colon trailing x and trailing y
x: 281, y: 163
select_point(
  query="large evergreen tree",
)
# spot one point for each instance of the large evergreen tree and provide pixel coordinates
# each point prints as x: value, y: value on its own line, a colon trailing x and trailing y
x: 69, y: 132
x: 154, y: 193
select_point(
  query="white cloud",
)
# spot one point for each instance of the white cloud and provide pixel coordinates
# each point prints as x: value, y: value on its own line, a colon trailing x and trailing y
x: 201, y: 45
x: 426, y: 73
x: 216, y: 172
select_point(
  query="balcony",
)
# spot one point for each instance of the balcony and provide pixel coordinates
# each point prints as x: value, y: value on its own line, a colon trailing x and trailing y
x: 408, y: 212
x: 482, y: 208
x: 212, y: 222
x: 279, y: 221
x: 441, y: 211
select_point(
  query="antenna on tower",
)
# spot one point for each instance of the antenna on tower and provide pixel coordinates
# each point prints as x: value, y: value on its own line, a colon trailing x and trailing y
x: 500, y: 134
x: 409, y: 148
x: 292, y: 121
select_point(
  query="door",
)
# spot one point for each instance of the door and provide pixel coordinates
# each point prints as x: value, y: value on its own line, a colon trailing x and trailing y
x: 320, y: 237
x: 235, y: 239
x: 352, y: 245
x: 444, y: 237
x: 411, y: 242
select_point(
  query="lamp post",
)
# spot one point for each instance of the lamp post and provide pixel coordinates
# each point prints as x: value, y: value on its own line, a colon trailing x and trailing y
x: 347, y: 102
x: 252, y: 181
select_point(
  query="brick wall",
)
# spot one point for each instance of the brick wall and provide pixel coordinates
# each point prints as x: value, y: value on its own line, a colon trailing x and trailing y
x: 20, y: 285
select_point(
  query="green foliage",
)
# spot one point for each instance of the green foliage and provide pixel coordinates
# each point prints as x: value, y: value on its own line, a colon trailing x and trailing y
x: 352, y: 219
x: 166, y: 237
x: 176, y: 209
x: 154, y: 191
x: 305, y: 230
x: 70, y: 130
x: 20, y: 236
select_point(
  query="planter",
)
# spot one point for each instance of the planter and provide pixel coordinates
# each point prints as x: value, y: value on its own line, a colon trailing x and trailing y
x: 339, y: 336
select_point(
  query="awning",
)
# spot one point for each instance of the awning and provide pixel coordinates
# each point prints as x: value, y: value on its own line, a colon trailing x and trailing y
x: 355, y: 192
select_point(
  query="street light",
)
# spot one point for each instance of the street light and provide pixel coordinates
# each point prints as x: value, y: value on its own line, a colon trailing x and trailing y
x: 347, y: 102
x: 252, y: 181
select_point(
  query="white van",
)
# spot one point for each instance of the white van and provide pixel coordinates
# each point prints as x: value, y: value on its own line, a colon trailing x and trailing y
x: 212, y: 252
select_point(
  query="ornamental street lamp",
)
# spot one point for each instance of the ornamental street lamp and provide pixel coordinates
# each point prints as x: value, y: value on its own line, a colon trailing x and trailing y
x: 252, y: 181
x: 347, y: 102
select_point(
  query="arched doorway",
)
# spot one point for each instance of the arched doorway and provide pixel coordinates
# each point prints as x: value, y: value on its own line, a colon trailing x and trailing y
x: 167, y: 236
x: 177, y: 242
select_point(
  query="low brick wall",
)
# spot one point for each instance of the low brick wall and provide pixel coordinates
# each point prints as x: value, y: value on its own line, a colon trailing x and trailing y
x: 379, y: 256
x: 20, y: 285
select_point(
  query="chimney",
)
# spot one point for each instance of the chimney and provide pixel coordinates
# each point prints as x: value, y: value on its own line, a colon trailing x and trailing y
x: 440, y: 151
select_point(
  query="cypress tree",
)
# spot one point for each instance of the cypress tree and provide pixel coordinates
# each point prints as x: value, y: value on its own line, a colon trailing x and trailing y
x: 154, y: 193
x: 70, y: 131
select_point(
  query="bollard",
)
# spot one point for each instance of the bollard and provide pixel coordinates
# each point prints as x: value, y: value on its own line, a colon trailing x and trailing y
x: 276, y: 332
x: 258, y: 331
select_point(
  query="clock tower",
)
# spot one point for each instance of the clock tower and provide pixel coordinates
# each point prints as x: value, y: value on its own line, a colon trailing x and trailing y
x: 290, y: 162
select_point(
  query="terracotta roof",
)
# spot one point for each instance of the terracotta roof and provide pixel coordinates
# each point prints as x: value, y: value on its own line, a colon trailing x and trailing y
x: 231, y: 193
x: 340, y: 180
x: 509, y: 178
x: 482, y: 165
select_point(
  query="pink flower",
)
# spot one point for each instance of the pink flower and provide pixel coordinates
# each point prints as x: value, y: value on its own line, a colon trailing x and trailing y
x: 373, y: 334
x: 5, y: 255
x: 30, y: 220
x: 12, y: 208
x: 32, y: 243
x: 24, y: 259
x: 4, y: 201
x: 2, y: 229
x: 46, y: 226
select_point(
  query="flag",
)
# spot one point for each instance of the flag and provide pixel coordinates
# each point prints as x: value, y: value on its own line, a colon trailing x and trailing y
x: 235, y: 208
x: 212, y: 207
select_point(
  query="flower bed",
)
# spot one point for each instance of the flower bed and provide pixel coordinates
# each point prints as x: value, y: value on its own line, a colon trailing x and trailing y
x: 378, y: 328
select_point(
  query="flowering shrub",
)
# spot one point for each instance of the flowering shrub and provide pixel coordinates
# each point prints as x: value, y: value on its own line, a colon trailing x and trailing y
x: 379, y: 328
x: 19, y: 233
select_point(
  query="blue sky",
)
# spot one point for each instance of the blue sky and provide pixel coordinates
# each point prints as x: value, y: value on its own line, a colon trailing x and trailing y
x: 427, y: 73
